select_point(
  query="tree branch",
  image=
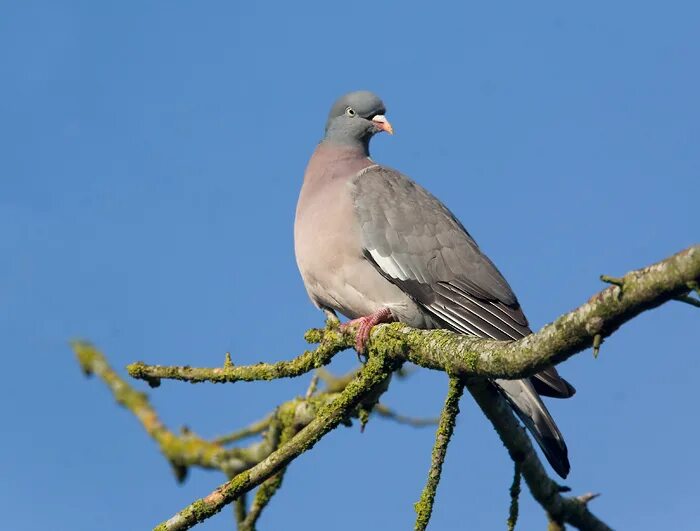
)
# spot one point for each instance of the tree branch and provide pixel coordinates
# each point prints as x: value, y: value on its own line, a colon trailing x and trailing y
x: 543, y: 489
x: 424, y: 506
x: 331, y: 341
x: 605, y: 312
x: 372, y: 376
x: 249, y: 431
x: 465, y: 356
x: 468, y: 358
x: 181, y: 450
x: 514, y: 496
x: 417, y: 422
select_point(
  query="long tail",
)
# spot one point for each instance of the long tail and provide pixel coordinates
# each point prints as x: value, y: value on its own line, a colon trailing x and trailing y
x: 527, y: 404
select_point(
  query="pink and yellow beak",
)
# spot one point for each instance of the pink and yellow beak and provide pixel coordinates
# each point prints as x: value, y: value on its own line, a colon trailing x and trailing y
x: 382, y: 123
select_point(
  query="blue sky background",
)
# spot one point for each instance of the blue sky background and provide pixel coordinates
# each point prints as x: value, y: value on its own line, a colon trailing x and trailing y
x: 152, y: 154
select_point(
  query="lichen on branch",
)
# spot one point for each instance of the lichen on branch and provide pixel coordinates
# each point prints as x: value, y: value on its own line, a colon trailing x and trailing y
x: 331, y: 341
x: 373, y: 375
x: 446, y: 425
x: 466, y: 356
x: 298, y: 424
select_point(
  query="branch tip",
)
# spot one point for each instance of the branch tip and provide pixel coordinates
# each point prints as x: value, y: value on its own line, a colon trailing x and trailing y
x: 616, y: 281
x: 585, y: 498
x: 687, y: 299
x: 514, y: 496
x: 597, y: 341
x: 313, y: 384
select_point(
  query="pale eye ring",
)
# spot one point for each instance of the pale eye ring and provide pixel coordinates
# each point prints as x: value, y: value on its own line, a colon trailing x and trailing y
x: 350, y: 111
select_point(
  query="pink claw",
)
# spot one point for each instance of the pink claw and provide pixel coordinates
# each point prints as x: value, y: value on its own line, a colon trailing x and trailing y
x: 365, y: 324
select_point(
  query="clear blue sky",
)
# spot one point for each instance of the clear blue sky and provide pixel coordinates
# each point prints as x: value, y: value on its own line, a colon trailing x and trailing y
x: 152, y: 153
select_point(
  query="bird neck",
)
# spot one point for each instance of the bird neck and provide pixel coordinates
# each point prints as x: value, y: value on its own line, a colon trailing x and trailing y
x: 347, y: 139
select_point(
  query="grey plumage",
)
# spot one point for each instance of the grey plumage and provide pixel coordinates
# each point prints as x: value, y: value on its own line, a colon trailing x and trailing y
x: 367, y: 238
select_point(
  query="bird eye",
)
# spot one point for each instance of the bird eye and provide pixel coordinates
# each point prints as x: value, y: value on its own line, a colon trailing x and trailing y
x: 350, y: 111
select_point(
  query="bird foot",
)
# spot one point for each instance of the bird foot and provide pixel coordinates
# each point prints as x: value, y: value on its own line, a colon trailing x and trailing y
x: 364, y: 326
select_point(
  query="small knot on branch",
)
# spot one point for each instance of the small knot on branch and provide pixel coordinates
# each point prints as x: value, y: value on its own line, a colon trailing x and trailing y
x: 138, y: 370
x: 615, y: 281
x: 585, y: 498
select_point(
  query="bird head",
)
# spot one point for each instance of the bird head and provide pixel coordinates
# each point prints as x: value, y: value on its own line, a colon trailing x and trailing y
x: 356, y: 117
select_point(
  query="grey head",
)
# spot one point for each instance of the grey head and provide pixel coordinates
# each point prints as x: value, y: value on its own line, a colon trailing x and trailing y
x: 355, y: 118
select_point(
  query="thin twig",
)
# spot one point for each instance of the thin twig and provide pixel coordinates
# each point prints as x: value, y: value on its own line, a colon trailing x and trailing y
x: 289, y: 427
x: 688, y: 300
x: 239, y: 509
x: 313, y: 384
x: 514, y: 495
x: 416, y: 422
x: 255, y: 428
x: 597, y: 340
x: 615, y: 281
x: 331, y: 341
x: 424, y: 506
x: 262, y: 497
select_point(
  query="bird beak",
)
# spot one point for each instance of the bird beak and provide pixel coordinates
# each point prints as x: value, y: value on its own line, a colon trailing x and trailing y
x: 383, y: 124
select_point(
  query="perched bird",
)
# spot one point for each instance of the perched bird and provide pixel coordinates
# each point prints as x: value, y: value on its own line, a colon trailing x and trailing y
x: 375, y: 246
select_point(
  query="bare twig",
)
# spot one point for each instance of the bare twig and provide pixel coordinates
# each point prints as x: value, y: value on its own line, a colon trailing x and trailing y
x: 239, y: 509
x: 417, y: 422
x: 253, y: 429
x: 585, y: 498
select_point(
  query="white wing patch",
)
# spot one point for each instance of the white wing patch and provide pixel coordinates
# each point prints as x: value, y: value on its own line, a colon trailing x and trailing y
x: 388, y: 265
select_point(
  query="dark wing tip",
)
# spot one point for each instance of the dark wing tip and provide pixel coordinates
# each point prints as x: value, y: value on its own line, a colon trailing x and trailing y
x: 549, y: 383
x: 557, y: 455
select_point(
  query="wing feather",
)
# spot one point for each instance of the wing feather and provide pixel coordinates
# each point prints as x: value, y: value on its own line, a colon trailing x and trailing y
x: 418, y: 244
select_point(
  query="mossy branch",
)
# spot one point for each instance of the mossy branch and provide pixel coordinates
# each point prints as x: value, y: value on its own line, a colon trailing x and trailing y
x: 181, y: 450
x: 372, y: 376
x: 605, y: 312
x: 514, y: 498
x: 424, y: 506
x: 466, y: 356
x: 546, y: 491
x: 188, y: 449
x: 331, y: 341
x: 460, y: 356
x: 290, y: 425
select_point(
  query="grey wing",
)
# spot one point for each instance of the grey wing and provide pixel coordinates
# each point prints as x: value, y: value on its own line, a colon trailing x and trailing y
x: 418, y: 244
